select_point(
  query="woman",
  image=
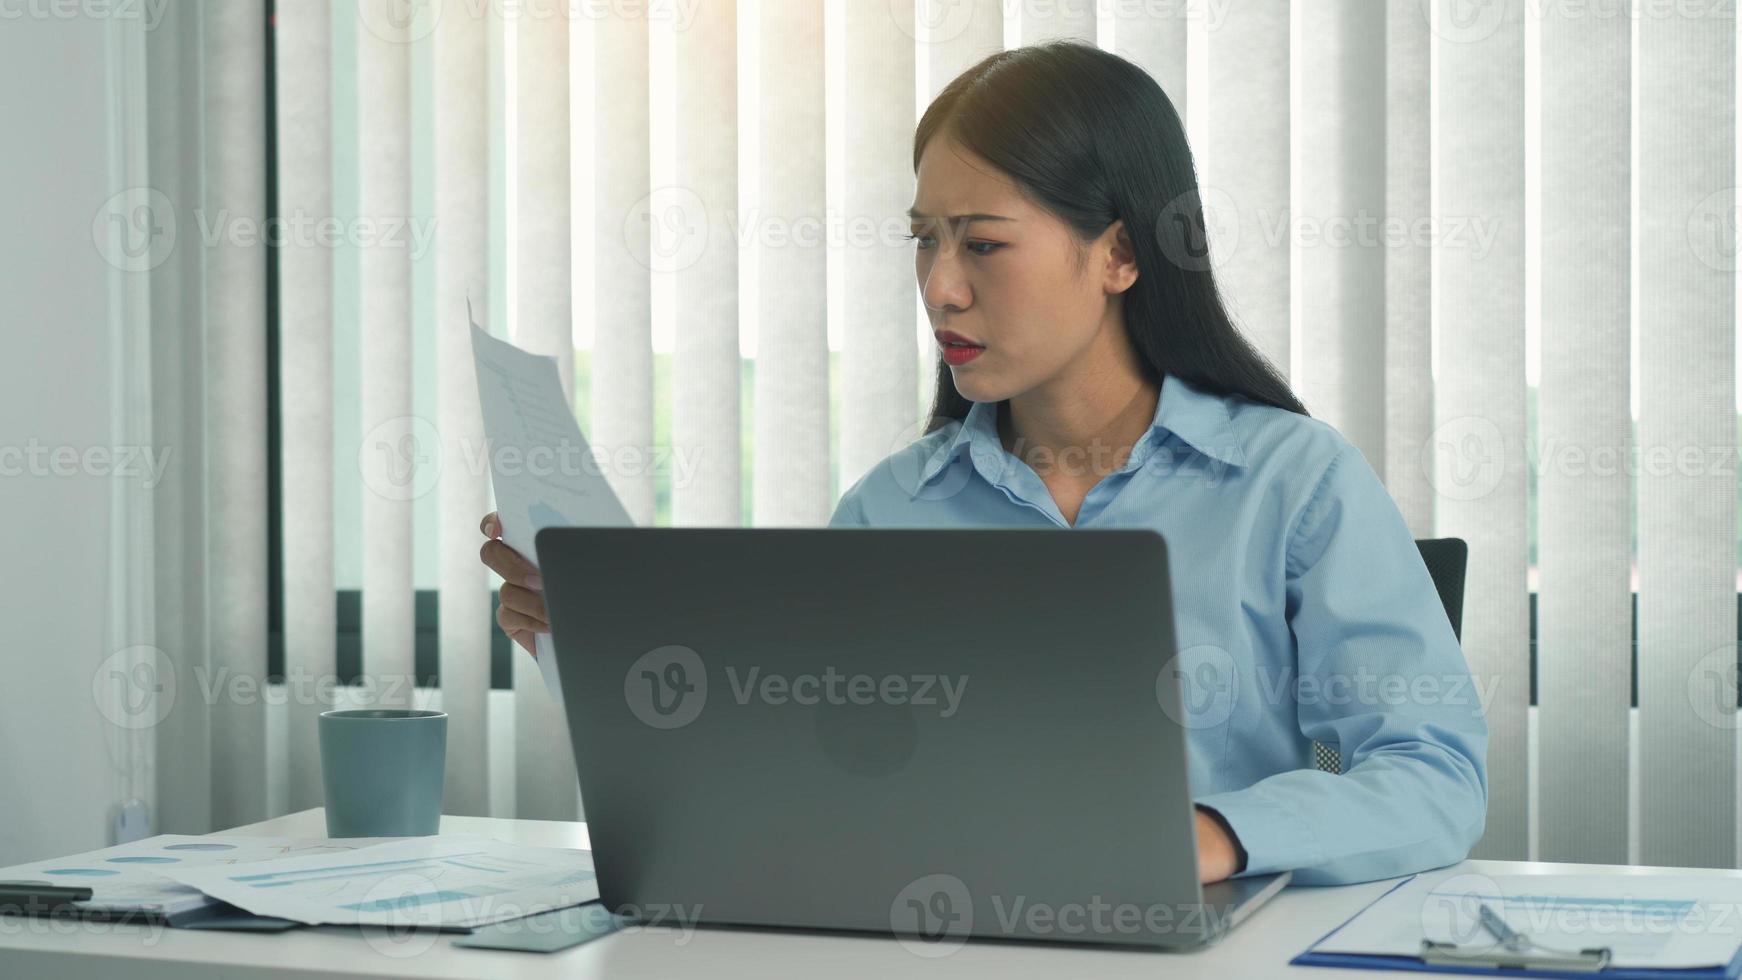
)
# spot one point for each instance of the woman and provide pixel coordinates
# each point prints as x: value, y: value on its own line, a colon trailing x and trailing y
x: 1090, y: 376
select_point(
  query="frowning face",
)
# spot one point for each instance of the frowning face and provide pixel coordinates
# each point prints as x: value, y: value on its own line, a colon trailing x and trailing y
x: 1015, y: 300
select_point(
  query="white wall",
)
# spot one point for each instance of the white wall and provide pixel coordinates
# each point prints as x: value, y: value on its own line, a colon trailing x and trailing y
x: 57, y: 782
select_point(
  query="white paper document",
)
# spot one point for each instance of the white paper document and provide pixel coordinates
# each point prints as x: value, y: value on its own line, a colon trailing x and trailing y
x: 1646, y: 920
x: 541, y: 466
x: 130, y: 877
x: 449, y: 881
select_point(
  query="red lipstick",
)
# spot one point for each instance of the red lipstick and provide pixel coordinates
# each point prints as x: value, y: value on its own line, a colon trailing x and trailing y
x: 957, y: 349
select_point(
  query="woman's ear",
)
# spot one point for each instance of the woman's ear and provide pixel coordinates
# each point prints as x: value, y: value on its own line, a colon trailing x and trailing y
x: 1121, y: 269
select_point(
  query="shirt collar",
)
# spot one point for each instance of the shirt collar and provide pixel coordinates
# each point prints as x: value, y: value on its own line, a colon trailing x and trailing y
x: 1199, y: 418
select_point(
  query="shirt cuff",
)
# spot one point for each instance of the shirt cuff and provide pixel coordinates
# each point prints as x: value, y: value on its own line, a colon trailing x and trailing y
x: 1272, y: 837
x: 1239, y: 848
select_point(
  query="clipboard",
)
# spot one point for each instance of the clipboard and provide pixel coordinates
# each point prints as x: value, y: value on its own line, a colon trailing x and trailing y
x: 1495, y: 959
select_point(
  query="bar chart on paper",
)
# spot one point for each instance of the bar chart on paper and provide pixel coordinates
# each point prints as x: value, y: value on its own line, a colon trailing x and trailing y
x: 130, y: 877
x: 457, y: 881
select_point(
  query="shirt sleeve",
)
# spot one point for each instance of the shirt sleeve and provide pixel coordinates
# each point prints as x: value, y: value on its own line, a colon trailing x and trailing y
x: 1381, y: 677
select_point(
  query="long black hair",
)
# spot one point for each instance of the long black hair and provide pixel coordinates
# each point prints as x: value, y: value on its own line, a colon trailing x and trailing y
x: 1092, y: 138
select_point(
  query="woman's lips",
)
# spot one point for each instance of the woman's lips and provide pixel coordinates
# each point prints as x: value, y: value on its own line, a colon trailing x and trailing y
x: 957, y: 349
x: 956, y: 355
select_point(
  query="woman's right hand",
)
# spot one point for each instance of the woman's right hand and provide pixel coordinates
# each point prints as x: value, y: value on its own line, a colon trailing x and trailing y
x: 521, y: 613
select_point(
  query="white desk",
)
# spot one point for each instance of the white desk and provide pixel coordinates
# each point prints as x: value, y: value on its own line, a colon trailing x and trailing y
x: 1260, y: 947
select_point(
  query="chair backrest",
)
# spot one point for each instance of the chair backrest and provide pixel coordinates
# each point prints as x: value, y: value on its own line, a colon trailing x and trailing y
x: 1446, y: 559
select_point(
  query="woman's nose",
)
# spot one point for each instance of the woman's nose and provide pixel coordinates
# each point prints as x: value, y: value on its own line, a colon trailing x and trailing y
x: 943, y: 287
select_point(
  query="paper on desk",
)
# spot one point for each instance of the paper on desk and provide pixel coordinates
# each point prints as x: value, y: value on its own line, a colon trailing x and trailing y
x: 541, y: 466
x: 449, y: 881
x: 130, y: 877
x: 1646, y: 920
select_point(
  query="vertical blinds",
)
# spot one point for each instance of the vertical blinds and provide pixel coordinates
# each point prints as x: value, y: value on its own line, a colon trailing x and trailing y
x: 1686, y: 155
x: 389, y: 475
x: 1243, y: 167
x: 232, y: 49
x: 785, y: 222
x: 1409, y: 117
x: 1583, y: 600
x: 706, y: 421
x: 305, y: 353
x: 879, y: 385
x: 1408, y: 379
x: 543, y: 322
x: 1479, y: 436
x: 462, y: 189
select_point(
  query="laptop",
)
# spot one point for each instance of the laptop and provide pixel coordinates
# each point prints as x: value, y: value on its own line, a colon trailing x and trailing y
x: 938, y: 734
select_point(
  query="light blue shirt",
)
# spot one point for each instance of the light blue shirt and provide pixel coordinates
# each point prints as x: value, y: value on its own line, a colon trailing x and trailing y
x: 1302, y: 609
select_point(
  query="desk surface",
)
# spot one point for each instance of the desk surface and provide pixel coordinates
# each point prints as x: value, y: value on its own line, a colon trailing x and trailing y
x: 1260, y: 947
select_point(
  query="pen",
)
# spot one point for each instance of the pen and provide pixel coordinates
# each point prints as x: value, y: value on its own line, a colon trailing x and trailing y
x: 1491, y: 921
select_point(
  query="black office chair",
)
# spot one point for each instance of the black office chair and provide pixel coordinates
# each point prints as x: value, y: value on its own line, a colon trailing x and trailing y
x: 1446, y: 559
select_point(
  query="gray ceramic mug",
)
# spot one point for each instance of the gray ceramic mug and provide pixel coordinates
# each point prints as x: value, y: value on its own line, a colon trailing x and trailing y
x: 382, y: 769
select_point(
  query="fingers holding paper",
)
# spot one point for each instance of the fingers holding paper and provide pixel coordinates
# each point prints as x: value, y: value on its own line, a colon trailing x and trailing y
x: 521, y: 612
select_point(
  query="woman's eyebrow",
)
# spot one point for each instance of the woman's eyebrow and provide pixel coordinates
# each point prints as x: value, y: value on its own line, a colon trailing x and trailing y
x: 918, y: 215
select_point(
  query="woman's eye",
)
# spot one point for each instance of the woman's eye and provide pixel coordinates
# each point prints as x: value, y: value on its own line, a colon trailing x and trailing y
x: 978, y: 248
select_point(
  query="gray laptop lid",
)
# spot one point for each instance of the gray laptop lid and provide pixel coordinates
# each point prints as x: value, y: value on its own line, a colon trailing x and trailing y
x: 935, y: 733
